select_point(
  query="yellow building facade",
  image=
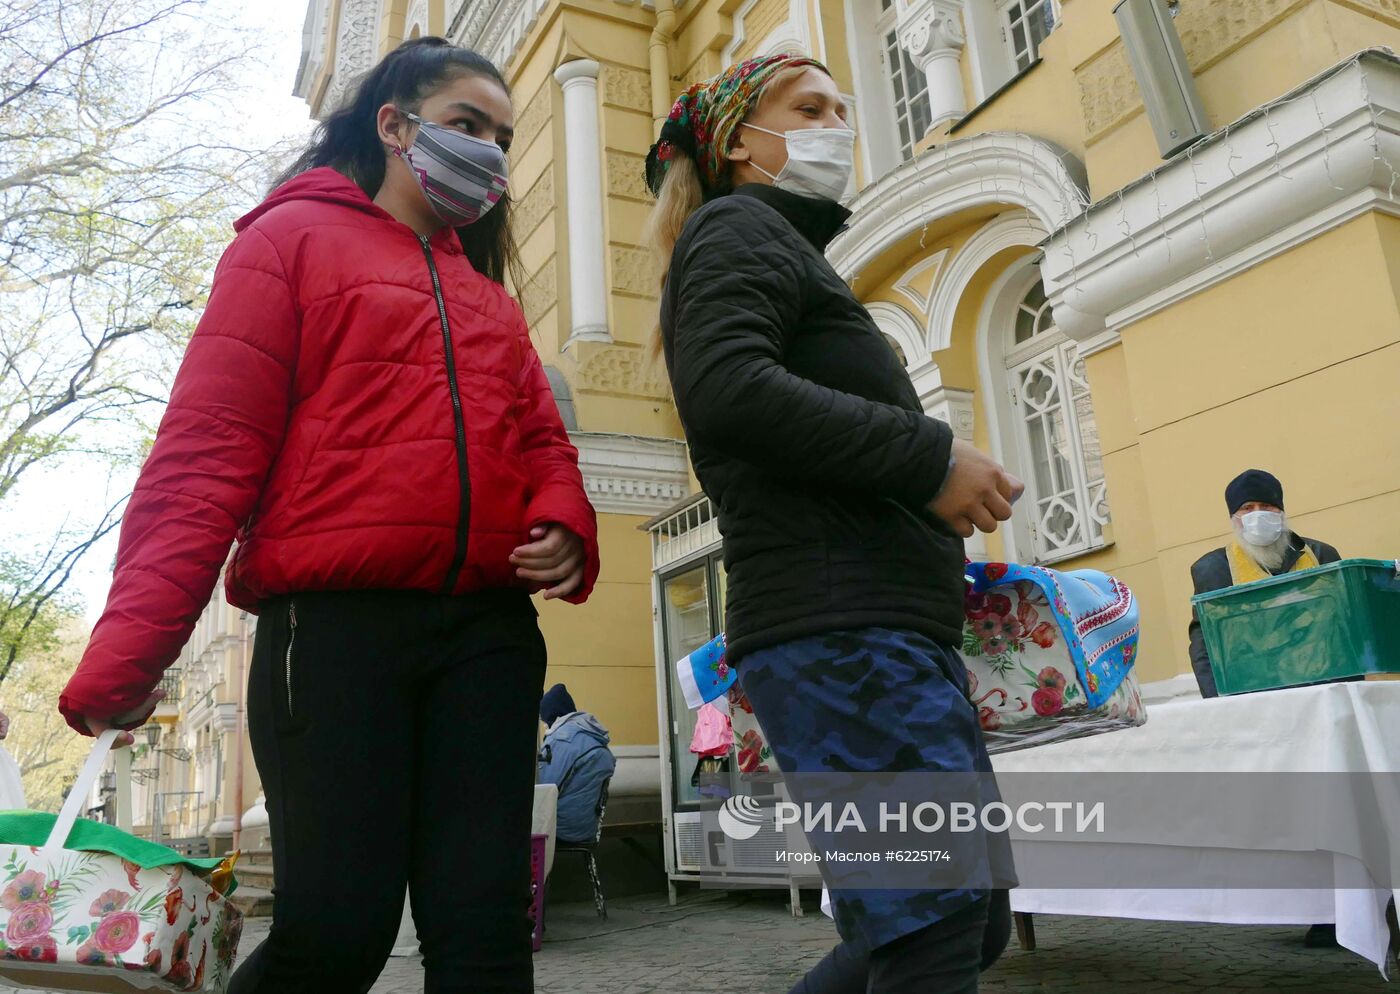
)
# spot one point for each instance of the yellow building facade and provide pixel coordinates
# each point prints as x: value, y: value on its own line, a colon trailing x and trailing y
x: 1126, y: 332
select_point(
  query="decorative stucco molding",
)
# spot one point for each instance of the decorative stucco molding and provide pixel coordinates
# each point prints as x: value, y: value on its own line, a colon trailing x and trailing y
x: 532, y: 120
x: 628, y: 474
x: 626, y: 88
x: 495, y: 29
x: 532, y: 208
x: 1017, y: 228
x: 541, y: 292
x: 1290, y: 170
x: 634, y: 271
x: 1015, y: 170
x: 622, y: 369
x: 627, y: 177
x: 355, y: 45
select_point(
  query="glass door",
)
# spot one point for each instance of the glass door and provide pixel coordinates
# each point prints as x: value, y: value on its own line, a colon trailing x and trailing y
x: 688, y: 621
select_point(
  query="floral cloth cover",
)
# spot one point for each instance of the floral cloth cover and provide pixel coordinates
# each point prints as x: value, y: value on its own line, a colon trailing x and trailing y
x: 704, y: 674
x: 89, y: 914
x: 754, y: 753
x: 1049, y: 655
x: 113, y: 912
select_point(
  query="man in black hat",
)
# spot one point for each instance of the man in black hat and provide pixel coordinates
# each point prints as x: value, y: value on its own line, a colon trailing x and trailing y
x: 575, y: 755
x: 1263, y: 546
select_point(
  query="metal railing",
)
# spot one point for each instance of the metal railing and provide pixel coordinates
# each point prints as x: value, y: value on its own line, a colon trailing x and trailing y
x: 193, y: 846
x: 689, y: 530
x: 173, y: 685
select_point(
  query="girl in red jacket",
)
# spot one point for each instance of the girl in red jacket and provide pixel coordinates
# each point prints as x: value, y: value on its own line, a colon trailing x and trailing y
x: 362, y: 410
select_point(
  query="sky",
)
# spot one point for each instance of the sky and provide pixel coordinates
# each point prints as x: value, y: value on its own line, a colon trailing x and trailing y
x: 270, y: 113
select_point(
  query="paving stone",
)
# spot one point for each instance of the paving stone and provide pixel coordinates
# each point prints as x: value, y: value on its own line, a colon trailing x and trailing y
x: 712, y: 943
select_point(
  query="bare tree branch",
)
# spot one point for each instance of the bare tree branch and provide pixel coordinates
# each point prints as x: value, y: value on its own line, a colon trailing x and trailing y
x: 113, y: 212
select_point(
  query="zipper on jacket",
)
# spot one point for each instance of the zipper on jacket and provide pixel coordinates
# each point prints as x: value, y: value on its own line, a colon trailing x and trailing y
x: 291, y: 645
x: 463, y: 478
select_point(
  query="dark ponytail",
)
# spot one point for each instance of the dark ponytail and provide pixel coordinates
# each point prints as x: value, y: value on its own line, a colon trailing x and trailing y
x: 348, y: 140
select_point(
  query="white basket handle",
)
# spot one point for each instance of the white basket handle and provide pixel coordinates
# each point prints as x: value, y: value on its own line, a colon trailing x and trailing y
x: 78, y: 795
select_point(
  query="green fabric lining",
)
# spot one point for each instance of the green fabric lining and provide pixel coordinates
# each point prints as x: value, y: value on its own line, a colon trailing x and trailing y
x: 32, y: 828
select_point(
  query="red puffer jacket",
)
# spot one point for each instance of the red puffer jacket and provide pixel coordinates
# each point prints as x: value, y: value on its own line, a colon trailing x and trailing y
x: 361, y: 409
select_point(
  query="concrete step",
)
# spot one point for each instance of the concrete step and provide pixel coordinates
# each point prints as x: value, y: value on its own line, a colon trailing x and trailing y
x: 254, y: 857
x: 254, y: 902
x: 253, y: 876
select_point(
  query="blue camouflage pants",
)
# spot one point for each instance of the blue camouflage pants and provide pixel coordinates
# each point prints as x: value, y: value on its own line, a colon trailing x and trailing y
x: 869, y: 700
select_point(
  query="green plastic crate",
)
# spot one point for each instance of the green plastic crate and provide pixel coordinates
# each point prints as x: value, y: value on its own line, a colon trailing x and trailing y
x: 1334, y: 621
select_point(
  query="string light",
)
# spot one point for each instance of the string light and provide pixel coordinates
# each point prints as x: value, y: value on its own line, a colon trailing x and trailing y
x: 1230, y: 154
x: 1127, y: 228
x: 1273, y: 144
x: 1326, y: 142
x: 1378, y: 155
x: 1161, y: 219
x: 1201, y: 214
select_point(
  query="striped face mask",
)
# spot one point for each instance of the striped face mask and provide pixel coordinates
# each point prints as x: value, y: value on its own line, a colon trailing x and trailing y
x: 462, y: 177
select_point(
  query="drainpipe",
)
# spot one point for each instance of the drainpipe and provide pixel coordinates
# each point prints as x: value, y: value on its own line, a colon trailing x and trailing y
x: 238, y: 734
x: 661, y: 37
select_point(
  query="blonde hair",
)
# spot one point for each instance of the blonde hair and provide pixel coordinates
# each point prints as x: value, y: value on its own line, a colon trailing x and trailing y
x: 682, y: 193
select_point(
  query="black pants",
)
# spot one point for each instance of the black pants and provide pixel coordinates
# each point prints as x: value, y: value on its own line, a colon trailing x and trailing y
x: 395, y: 736
x: 943, y: 958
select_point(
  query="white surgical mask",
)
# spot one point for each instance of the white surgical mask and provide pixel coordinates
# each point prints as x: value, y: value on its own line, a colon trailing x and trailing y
x: 1261, y: 527
x: 821, y: 161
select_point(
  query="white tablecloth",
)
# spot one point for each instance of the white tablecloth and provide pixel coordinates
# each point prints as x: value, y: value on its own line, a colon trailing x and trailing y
x: 1339, y: 728
x: 543, y: 820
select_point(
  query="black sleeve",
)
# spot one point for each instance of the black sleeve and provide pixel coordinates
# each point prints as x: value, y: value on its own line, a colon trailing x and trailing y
x: 1200, y: 657
x: 738, y: 296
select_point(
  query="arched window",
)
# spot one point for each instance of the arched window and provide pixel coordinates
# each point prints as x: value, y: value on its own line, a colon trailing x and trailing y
x: 1056, y: 439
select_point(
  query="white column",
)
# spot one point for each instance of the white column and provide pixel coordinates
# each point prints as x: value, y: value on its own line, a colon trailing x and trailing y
x: 588, y: 286
x: 935, y: 41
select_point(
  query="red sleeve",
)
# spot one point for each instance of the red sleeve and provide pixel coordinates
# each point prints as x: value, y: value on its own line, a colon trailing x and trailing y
x: 557, y: 495
x: 221, y: 431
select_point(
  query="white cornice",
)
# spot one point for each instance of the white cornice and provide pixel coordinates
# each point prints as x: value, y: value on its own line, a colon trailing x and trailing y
x: 1290, y: 170
x: 627, y: 474
x: 995, y: 168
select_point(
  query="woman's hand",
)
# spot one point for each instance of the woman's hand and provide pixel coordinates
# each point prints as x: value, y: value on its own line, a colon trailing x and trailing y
x: 978, y: 493
x: 136, y: 716
x: 554, y: 561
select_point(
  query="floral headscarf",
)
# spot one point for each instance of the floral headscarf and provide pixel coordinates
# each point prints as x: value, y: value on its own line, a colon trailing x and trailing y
x: 705, y: 119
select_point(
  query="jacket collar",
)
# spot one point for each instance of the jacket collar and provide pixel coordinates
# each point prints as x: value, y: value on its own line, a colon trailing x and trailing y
x: 1296, y: 546
x: 817, y: 220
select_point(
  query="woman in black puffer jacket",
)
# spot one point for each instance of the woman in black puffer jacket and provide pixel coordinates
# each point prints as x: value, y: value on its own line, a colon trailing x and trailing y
x: 842, y: 506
